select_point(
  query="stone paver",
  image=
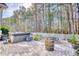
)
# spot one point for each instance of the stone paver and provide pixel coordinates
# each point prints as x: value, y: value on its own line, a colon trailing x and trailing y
x: 36, y: 48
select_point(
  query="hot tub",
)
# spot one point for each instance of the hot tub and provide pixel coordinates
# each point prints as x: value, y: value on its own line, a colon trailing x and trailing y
x: 17, y: 36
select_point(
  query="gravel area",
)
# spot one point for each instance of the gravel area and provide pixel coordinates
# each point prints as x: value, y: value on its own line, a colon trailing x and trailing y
x: 36, y: 48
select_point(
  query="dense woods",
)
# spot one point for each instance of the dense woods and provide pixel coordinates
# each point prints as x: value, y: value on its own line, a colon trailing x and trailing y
x: 45, y: 17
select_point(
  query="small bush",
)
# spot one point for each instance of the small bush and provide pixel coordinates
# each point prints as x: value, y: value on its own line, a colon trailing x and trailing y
x: 4, y: 30
x: 74, y: 40
x: 36, y: 37
x: 77, y: 52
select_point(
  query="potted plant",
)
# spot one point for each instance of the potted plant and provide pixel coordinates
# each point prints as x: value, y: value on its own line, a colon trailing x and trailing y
x: 75, y: 42
x: 36, y: 37
x: 5, y: 31
x: 49, y: 44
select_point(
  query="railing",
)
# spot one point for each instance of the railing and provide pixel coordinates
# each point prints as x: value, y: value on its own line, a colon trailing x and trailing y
x: 21, y: 36
x: 60, y: 36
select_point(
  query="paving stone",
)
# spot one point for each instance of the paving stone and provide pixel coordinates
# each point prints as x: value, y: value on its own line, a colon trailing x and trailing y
x: 36, y: 48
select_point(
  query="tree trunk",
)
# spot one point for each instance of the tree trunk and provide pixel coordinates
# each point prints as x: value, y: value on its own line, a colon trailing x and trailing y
x: 71, y: 18
x: 49, y: 18
x: 78, y: 17
x: 36, y: 25
x: 69, y: 24
x: 1, y: 11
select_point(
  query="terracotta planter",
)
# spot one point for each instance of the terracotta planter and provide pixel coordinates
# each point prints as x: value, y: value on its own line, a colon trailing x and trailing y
x: 49, y: 44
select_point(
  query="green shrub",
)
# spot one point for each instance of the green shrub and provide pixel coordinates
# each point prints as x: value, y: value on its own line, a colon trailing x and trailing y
x: 77, y: 52
x: 36, y: 37
x: 65, y: 38
x: 74, y: 40
x: 4, y: 30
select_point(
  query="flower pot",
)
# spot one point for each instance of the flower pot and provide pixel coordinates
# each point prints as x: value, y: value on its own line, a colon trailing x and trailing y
x: 49, y: 45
